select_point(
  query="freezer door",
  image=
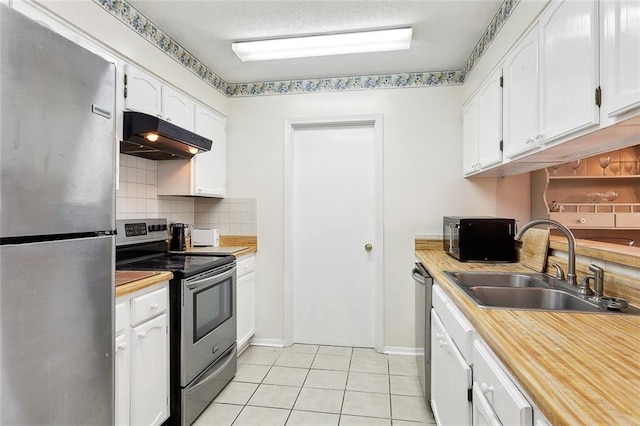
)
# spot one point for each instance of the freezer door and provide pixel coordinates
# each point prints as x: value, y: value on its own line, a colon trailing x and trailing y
x: 57, y: 134
x: 56, y: 310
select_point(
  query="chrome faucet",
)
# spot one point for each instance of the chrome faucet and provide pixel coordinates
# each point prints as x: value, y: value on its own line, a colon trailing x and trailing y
x: 598, y: 282
x: 571, y: 272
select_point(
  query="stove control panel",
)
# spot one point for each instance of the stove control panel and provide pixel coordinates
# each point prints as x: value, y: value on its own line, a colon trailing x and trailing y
x: 132, y: 231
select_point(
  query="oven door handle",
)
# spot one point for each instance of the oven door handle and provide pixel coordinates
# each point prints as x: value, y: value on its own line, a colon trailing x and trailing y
x: 220, y: 368
x: 205, y: 281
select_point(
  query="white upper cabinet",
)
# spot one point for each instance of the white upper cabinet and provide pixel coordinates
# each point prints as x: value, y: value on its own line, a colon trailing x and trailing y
x: 522, y: 97
x: 470, y: 163
x: 177, y: 108
x: 209, y: 167
x: 569, y: 70
x: 482, y: 126
x: 490, y: 121
x: 620, y: 55
x: 143, y: 93
x: 205, y: 174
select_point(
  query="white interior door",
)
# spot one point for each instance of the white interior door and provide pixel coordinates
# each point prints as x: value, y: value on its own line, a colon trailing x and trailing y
x: 333, y: 216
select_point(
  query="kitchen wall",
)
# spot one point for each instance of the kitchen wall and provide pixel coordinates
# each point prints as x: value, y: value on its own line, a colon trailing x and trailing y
x: 232, y: 216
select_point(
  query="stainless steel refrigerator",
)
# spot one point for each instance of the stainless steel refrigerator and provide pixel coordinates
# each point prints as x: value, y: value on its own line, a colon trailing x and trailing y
x: 57, y: 207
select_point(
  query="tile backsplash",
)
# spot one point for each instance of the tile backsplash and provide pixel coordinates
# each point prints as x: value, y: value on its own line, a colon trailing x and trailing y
x: 137, y: 198
x: 233, y: 216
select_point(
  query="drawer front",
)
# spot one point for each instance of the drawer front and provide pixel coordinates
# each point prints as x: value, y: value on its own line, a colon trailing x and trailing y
x: 496, y: 390
x: 627, y: 220
x: 456, y: 324
x: 439, y: 299
x: 584, y: 220
x: 246, y: 265
x: 122, y: 315
x: 148, y: 305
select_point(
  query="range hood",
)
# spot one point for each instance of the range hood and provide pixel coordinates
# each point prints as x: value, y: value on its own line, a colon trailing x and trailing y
x: 146, y: 136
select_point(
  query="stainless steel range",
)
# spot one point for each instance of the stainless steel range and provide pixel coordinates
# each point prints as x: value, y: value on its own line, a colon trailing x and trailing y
x: 202, y: 310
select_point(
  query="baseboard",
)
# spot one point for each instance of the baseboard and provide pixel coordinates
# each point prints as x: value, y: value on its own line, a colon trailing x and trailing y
x: 278, y: 343
x: 401, y: 350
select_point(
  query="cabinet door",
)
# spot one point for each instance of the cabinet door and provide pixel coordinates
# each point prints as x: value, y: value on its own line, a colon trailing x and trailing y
x: 521, y: 97
x: 246, y: 309
x: 123, y: 376
x: 450, y: 378
x: 209, y: 174
x: 499, y: 400
x: 569, y: 71
x: 490, y: 121
x: 177, y: 108
x: 470, y: 136
x: 620, y: 55
x: 143, y: 92
x: 149, y: 372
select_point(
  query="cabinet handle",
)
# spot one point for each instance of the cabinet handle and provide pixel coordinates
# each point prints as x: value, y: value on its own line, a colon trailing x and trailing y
x: 484, y: 406
x: 154, y: 306
x: 121, y: 347
x: 529, y: 141
x: 539, y: 136
x: 159, y: 115
x: 168, y: 118
x: 142, y: 334
x: 485, y: 388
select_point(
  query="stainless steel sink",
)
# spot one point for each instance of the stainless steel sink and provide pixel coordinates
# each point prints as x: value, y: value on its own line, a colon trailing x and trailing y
x: 500, y: 279
x: 530, y: 298
x: 532, y: 291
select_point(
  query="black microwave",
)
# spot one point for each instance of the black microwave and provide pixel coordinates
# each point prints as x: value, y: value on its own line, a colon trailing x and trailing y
x: 479, y: 239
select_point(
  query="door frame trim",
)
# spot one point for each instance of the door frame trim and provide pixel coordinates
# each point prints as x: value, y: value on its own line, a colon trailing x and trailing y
x: 290, y: 125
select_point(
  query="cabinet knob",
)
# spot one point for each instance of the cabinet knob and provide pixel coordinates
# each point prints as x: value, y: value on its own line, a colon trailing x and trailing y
x: 154, y: 306
x: 368, y: 247
x: 142, y: 334
x: 122, y: 347
x: 485, y: 388
x: 582, y: 220
x: 168, y: 118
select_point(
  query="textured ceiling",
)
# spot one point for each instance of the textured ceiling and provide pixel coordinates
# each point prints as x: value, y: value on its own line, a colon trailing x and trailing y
x: 444, y: 33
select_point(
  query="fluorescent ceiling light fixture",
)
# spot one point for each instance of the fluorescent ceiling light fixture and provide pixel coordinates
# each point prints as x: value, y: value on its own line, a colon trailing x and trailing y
x: 324, y: 45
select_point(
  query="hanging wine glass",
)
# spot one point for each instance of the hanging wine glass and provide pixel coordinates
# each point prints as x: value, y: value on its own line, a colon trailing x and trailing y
x: 575, y: 165
x: 604, y: 163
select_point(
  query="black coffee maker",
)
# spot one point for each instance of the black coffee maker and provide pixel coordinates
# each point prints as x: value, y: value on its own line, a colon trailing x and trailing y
x: 178, y: 237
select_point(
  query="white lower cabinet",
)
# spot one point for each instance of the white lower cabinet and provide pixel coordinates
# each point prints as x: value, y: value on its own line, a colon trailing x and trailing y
x: 496, y: 399
x: 469, y: 385
x: 451, y: 336
x: 142, y: 356
x: 246, y: 318
x: 450, y: 378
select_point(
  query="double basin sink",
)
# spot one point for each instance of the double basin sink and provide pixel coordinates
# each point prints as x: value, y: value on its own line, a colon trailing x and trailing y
x: 532, y: 291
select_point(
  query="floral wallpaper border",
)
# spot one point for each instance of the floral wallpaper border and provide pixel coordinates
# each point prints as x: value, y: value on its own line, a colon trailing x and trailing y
x: 127, y: 14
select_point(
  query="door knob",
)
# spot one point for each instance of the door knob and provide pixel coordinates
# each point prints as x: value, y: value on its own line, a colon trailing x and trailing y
x: 368, y: 247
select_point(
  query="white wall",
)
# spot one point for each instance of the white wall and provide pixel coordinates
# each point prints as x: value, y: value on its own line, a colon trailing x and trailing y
x: 422, y: 182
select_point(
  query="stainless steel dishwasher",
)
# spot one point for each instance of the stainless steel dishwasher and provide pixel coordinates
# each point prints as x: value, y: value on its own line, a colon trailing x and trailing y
x: 423, y: 284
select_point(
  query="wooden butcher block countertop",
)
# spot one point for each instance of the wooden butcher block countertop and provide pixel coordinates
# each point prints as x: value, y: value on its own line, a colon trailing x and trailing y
x: 578, y: 368
x: 130, y: 281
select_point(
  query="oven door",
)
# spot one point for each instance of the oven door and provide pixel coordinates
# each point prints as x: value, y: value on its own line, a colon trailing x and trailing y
x: 208, y: 326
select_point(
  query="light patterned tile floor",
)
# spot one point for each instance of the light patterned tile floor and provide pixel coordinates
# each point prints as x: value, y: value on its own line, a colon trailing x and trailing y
x: 312, y: 385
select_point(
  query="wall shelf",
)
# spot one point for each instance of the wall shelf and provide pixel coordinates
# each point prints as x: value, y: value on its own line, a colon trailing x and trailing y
x: 593, y: 177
